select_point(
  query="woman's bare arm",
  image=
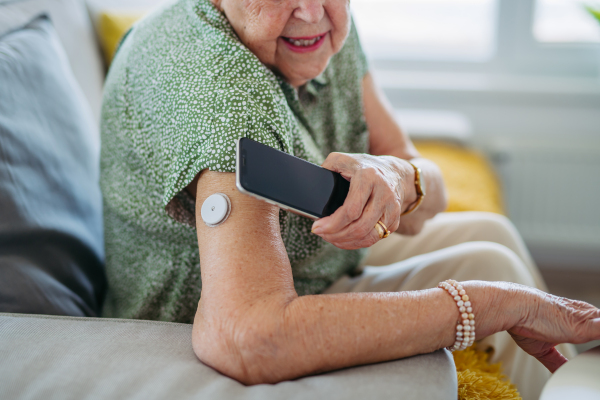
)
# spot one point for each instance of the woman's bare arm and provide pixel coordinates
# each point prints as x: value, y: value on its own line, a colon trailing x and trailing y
x: 252, y: 326
x: 387, y: 138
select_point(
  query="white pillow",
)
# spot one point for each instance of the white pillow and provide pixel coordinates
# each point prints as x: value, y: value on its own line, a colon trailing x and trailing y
x: 74, y: 29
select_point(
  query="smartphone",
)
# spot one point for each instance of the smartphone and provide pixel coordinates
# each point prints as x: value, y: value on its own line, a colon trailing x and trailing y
x: 288, y: 182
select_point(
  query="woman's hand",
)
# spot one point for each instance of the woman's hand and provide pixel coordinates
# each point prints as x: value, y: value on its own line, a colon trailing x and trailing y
x: 537, y: 321
x: 549, y: 320
x: 381, y: 188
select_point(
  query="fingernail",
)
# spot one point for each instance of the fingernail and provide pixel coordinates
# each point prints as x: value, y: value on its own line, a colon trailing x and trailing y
x: 317, y: 229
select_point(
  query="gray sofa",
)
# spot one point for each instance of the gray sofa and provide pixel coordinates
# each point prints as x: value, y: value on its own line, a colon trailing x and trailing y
x: 51, y: 251
x: 46, y: 357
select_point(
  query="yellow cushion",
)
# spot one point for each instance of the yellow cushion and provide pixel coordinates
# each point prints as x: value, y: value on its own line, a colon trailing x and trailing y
x: 480, y: 380
x: 471, y: 182
x: 111, y: 28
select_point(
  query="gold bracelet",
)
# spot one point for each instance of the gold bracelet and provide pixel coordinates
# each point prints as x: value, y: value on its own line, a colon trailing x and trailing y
x: 420, y: 188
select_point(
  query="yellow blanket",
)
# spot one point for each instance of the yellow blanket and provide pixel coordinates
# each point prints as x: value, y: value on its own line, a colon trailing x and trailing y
x: 471, y: 182
x: 478, y: 380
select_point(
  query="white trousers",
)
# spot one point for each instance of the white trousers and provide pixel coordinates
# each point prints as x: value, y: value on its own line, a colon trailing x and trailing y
x: 461, y: 246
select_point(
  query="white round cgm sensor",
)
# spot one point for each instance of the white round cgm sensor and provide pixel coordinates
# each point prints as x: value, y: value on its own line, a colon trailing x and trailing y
x: 215, y: 209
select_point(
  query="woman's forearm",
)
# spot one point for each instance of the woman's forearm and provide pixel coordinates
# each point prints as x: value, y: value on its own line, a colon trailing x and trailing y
x: 436, y: 198
x: 359, y: 328
x: 313, y: 334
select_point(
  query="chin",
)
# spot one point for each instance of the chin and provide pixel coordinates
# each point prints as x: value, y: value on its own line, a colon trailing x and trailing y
x: 304, y: 74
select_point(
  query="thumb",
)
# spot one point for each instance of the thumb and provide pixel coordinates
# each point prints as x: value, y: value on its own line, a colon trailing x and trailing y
x: 552, y: 359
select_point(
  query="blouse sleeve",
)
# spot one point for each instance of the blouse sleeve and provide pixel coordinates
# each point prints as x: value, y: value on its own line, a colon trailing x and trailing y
x: 206, y: 128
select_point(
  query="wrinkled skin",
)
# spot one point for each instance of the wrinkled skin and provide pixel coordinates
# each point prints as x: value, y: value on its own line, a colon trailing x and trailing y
x: 548, y: 320
x: 262, y: 24
x: 379, y: 187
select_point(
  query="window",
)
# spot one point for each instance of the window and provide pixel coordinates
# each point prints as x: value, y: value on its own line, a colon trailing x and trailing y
x: 434, y: 29
x: 564, y: 21
x: 506, y: 37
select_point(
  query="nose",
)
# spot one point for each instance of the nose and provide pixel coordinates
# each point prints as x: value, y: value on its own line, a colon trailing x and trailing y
x: 310, y: 11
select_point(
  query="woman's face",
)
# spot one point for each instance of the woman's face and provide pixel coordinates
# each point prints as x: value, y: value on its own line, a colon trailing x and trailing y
x: 293, y: 37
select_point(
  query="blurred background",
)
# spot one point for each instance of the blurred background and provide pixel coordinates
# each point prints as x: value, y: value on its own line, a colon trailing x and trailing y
x: 521, y: 79
x: 518, y: 80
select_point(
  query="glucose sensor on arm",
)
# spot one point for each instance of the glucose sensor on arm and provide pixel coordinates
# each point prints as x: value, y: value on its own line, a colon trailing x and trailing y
x: 215, y: 209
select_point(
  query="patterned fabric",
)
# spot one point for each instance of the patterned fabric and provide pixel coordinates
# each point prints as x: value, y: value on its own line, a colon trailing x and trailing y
x: 181, y: 90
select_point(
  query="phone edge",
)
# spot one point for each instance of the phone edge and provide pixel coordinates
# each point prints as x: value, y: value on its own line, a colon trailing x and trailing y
x: 240, y: 188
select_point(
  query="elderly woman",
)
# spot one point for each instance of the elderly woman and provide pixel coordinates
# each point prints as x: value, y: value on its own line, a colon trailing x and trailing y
x: 272, y: 295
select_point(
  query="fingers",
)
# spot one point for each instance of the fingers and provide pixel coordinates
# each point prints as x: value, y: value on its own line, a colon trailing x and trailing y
x: 580, y: 321
x: 553, y: 320
x: 369, y: 240
x: 378, y: 208
x: 360, y: 233
x: 352, y: 209
x: 552, y: 359
x: 375, y: 195
x: 542, y: 350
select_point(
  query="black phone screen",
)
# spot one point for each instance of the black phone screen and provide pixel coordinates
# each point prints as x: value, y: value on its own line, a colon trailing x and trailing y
x: 289, y: 180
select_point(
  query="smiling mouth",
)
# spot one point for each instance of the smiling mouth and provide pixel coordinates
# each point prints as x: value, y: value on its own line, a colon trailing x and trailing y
x: 303, y: 42
x: 306, y: 44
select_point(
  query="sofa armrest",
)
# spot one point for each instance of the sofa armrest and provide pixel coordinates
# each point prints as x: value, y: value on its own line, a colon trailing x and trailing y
x: 75, y: 358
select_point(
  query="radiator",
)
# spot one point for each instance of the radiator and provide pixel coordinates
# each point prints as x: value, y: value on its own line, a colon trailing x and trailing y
x: 552, y: 194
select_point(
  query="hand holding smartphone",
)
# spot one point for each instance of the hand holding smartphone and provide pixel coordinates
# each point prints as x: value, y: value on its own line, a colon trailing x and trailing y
x: 288, y: 182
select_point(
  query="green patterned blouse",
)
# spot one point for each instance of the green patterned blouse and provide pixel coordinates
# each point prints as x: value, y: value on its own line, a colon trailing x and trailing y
x: 180, y: 92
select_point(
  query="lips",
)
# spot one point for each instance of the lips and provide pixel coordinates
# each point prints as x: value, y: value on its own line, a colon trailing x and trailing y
x: 304, y: 44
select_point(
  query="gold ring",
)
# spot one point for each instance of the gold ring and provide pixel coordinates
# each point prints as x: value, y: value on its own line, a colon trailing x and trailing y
x: 382, y: 230
x: 387, y: 233
x: 379, y: 230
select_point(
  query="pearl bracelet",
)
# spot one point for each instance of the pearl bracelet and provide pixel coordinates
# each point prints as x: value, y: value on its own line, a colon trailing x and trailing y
x: 465, y: 331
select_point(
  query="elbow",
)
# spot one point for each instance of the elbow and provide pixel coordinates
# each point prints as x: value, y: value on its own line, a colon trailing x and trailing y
x: 251, y: 354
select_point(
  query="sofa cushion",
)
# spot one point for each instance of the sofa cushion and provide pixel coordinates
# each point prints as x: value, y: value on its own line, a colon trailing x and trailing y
x: 470, y: 179
x: 51, y: 240
x: 112, y: 18
x: 76, y: 35
x: 89, y: 358
x: 111, y: 28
